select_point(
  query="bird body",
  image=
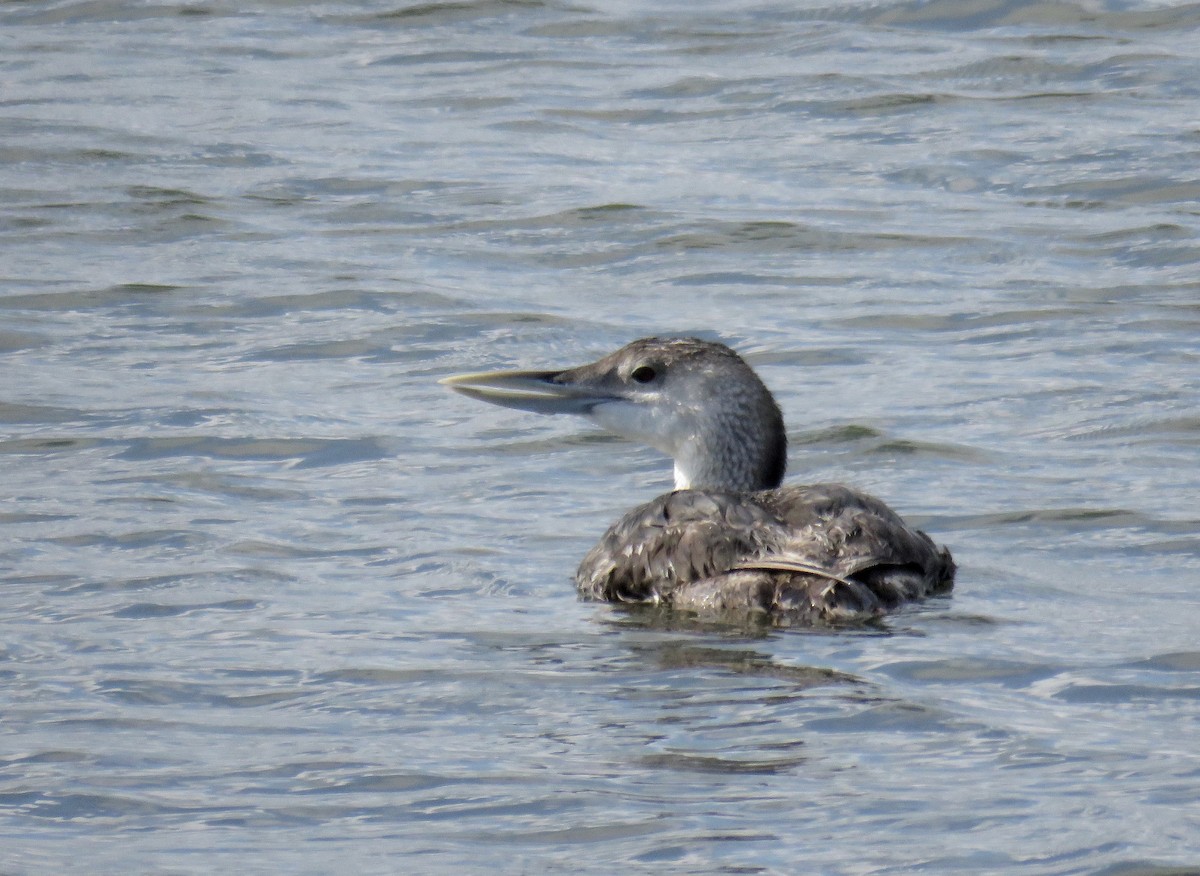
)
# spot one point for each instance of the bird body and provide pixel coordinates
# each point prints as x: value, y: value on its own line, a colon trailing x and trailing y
x: 817, y: 552
x: 728, y: 539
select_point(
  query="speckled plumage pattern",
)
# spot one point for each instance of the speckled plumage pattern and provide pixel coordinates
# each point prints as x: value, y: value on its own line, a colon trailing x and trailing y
x: 696, y: 550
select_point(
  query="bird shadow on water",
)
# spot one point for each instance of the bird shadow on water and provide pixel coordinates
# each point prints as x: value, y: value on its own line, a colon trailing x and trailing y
x: 724, y: 704
x: 715, y: 640
x: 752, y: 625
x: 727, y: 643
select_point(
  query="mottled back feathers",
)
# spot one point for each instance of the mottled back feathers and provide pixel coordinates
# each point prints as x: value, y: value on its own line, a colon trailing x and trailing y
x: 817, y: 553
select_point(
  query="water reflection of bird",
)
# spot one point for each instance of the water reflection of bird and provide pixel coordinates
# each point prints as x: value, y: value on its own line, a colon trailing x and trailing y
x: 728, y: 538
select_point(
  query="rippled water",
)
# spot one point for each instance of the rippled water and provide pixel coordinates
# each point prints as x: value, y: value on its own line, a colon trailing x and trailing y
x: 273, y: 601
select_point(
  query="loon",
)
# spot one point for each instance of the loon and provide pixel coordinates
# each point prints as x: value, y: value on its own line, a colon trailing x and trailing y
x: 728, y: 538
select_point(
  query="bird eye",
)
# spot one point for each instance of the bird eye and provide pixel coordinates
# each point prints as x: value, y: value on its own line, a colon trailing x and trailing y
x: 643, y: 373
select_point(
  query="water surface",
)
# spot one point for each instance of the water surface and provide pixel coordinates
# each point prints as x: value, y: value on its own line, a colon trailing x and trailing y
x: 274, y: 601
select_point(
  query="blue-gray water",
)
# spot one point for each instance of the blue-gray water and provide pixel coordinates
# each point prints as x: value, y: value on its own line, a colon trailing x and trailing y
x: 273, y: 601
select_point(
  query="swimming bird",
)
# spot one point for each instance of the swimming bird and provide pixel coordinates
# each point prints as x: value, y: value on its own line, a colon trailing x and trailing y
x: 728, y: 538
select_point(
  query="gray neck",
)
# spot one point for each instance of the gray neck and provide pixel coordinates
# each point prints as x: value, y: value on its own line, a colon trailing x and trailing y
x: 740, y: 452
